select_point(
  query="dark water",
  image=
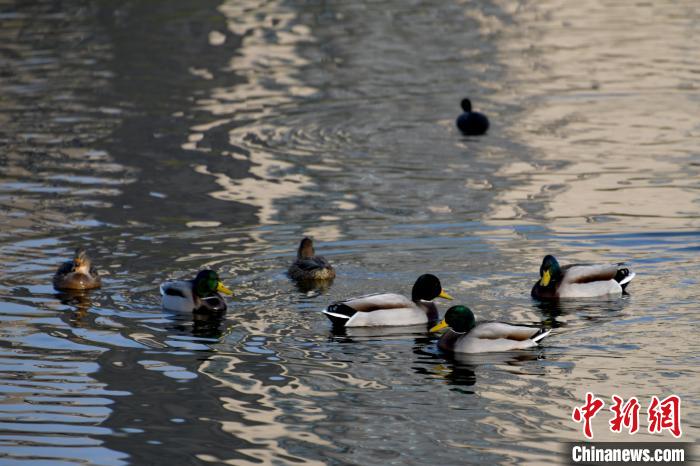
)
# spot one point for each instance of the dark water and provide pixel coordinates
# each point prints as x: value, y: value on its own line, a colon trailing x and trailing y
x: 170, y: 136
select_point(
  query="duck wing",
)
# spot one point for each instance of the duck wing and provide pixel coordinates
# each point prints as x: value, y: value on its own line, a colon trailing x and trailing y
x: 178, y: 295
x: 311, y: 263
x: 484, y: 345
x: 587, y: 273
x: 341, y: 312
x: 594, y: 280
x: 497, y: 330
x: 375, y: 302
x: 178, y: 288
x: 492, y: 337
x: 65, y: 268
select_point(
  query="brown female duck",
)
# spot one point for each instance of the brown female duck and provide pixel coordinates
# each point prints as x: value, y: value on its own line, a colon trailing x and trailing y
x: 309, y: 266
x: 77, y: 274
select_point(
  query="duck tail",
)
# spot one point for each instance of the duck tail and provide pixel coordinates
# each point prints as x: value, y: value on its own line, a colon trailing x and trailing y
x: 623, y: 277
x: 542, y: 334
x: 339, y: 314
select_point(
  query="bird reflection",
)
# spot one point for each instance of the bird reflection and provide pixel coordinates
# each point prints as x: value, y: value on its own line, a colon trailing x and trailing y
x: 551, y: 310
x: 349, y: 334
x: 317, y: 286
x: 208, y: 325
x: 594, y: 309
x: 80, y: 301
x: 201, y: 325
x: 459, y: 369
x: 510, y: 358
x: 456, y: 373
x: 436, y: 365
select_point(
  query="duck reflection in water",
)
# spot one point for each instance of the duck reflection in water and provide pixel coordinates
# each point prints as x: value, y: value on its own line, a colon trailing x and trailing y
x: 80, y: 301
x: 460, y: 370
x: 592, y: 309
x: 458, y: 374
x: 313, y: 286
x: 349, y: 334
x: 210, y: 325
x: 434, y: 365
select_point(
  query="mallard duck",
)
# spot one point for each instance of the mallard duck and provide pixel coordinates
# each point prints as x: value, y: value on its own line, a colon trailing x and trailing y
x: 309, y: 266
x: 389, y: 309
x: 580, y: 280
x: 472, y: 123
x: 466, y: 336
x: 198, y: 295
x: 77, y: 274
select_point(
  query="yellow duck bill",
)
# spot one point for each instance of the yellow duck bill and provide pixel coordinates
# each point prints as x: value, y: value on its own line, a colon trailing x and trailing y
x: 444, y: 295
x: 440, y: 326
x: 221, y: 288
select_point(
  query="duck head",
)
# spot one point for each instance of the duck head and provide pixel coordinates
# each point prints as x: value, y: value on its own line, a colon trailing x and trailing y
x: 550, y: 271
x: 207, y: 282
x: 81, y: 262
x: 466, y: 105
x: 458, y: 318
x: 427, y: 288
x: 306, y: 248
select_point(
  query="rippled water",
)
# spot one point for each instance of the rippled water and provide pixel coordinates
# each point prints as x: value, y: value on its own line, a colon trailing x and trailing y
x: 169, y: 136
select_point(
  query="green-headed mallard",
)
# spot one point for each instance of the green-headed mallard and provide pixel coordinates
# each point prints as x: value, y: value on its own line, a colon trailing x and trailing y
x: 580, y: 280
x: 198, y: 295
x: 77, y: 274
x: 466, y: 336
x: 309, y: 266
x: 389, y: 309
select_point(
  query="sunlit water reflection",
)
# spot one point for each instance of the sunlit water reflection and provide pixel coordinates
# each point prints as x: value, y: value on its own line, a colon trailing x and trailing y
x: 169, y: 137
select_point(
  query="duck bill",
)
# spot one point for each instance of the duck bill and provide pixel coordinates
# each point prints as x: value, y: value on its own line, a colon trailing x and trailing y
x: 546, y: 277
x: 444, y: 295
x: 439, y: 326
x: 222, y: 289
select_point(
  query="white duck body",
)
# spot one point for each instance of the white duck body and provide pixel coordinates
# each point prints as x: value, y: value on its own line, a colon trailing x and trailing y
x: 579, y: 281
x: 489, y: 337
x: 200, y: 295
x: 381, y: 310
x: 178, y: 295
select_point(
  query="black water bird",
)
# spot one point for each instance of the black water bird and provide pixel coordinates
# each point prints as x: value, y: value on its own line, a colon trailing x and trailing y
x: 472, y: 123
